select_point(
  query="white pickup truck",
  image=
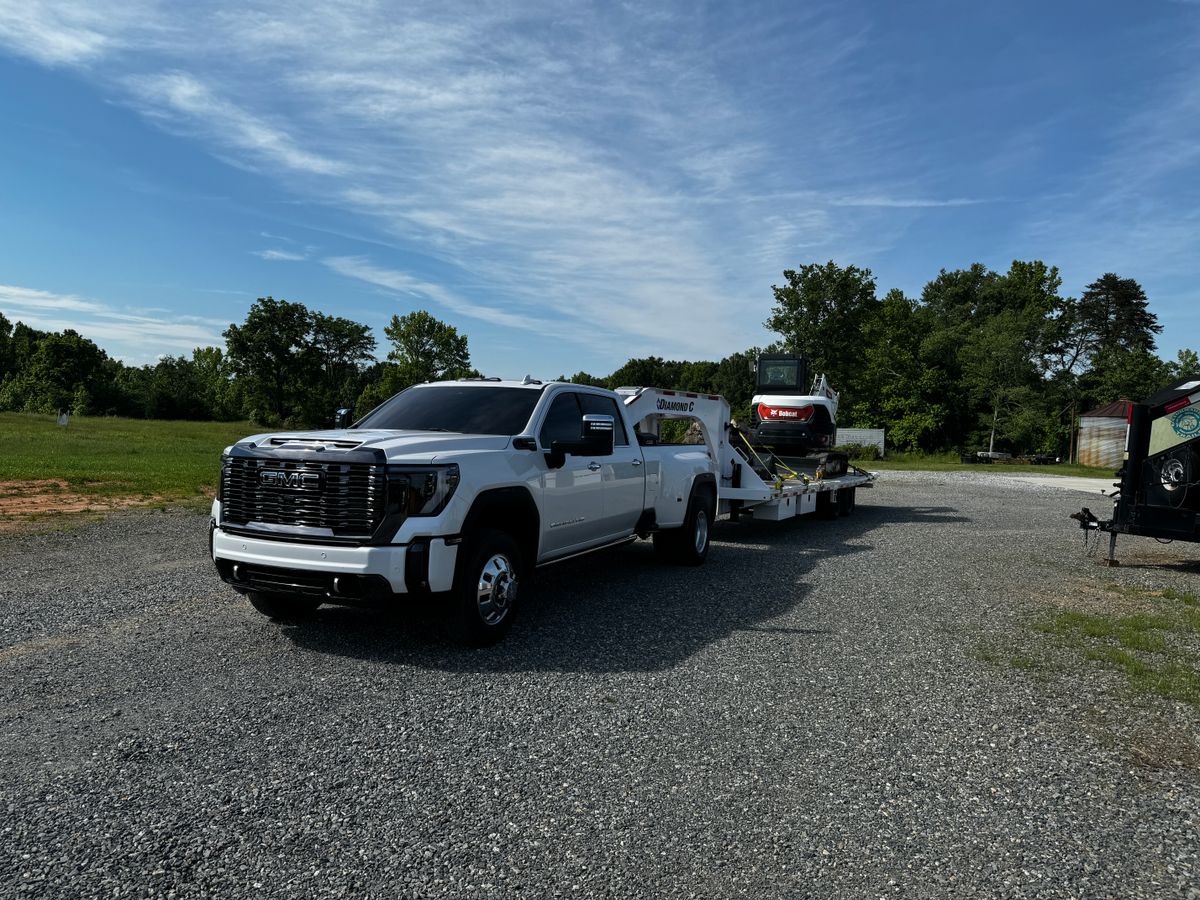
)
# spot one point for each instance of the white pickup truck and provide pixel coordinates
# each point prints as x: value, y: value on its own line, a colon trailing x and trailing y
x: 462, y: 488
x: 458, y: 488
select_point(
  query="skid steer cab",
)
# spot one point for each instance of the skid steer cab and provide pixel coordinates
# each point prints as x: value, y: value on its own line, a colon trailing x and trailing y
x: 1158, y: 491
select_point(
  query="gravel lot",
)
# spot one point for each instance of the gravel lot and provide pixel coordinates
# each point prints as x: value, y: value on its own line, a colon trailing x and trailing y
x: 804, y: 716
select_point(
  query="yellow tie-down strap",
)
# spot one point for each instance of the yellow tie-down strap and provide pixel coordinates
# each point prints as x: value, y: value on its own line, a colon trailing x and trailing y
x: 779, y: 480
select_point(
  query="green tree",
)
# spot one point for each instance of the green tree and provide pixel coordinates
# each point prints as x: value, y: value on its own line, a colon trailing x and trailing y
x: 1186, y: 363
x: 267, y: 351
x: 583, y: 378
x: 6, y: 361
x: 221, y: 393
x: 820, y: 312
x: 426, y: 349
x: 1126, y: 374
x: 898, y: 389
x: 337, y: 352
x: 176, y: 391
x: 648, y: 371
x: 59, y: 366
x: 423, y: 349
x: 1114, y: 314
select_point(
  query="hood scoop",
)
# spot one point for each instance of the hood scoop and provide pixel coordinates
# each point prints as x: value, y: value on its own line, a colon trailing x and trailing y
x: 314, y: 443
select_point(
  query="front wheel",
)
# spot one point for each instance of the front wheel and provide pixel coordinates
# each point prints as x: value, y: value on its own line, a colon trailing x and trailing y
x: 283, y: 607
x: 485, y: 592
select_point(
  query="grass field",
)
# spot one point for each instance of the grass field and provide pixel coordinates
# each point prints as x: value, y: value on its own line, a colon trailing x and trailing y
x: 950, y: 462
x: 110, y: 457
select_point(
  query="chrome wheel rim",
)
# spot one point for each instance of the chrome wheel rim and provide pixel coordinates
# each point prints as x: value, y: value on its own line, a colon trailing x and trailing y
x: 701, y: 530
x: 496, y: 590
x: 1173, y: 475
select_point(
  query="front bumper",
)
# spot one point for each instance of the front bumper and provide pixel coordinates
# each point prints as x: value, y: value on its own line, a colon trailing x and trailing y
x: 367, y: 573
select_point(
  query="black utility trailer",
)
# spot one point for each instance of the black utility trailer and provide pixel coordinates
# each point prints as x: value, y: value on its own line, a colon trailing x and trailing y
x: 1159, y: 487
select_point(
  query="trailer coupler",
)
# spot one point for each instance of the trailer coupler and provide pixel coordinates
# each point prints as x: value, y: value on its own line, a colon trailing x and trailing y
x: 1088, y: 522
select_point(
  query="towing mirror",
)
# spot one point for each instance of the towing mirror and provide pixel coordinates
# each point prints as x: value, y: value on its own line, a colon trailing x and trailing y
x: 595, y: 439
x: 341, y: 418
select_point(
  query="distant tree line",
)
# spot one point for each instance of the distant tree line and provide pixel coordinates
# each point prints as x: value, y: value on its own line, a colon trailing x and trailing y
x: 980, y: 359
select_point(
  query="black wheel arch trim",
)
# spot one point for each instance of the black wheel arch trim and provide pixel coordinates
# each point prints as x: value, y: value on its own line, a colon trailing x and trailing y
x: 527, y: 530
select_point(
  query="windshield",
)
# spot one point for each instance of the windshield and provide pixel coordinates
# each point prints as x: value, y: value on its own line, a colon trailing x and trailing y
x: 469, y: 409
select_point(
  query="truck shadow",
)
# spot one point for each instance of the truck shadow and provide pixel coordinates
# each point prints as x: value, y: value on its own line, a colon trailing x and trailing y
x: 622, y: 610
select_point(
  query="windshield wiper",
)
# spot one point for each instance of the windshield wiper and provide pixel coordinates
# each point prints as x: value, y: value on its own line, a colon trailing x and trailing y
x: 446, y: 430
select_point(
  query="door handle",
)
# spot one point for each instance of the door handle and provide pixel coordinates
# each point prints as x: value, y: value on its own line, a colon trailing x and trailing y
x: 637, y: 462
x: 594, y: 466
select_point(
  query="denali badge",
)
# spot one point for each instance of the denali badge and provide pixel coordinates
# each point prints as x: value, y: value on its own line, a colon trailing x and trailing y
x: 274, y: 478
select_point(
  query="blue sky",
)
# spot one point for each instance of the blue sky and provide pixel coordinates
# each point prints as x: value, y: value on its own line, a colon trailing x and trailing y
x: 574, y: 184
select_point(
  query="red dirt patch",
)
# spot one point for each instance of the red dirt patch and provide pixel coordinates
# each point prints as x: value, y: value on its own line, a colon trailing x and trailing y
x: 21, y: 501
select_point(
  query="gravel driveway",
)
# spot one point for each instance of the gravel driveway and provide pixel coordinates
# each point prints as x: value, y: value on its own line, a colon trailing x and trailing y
x: 804, y: 716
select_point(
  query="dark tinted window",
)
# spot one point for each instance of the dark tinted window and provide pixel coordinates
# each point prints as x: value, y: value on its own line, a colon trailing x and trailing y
x: 779, y: 373
x: 456, y: 407
x: 594, y: 404
x: 564, y: 421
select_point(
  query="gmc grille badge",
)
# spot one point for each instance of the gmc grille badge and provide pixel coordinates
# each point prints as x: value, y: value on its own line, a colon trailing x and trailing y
x: 296, y: 480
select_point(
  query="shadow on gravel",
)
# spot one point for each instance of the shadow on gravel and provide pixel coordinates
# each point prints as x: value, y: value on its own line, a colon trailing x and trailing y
x: 1132, y: 561
x: 622, y: 610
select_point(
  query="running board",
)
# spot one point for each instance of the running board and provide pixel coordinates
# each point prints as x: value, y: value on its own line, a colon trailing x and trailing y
x: 621, y: 543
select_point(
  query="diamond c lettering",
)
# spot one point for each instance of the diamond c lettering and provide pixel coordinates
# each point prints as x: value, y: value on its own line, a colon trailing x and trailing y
x: 676, y: 405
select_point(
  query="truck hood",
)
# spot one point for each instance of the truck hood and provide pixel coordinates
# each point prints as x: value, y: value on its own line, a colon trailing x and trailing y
x: 408, y: 446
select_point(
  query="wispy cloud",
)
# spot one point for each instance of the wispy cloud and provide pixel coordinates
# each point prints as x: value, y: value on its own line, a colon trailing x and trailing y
x: 130, y: 335
x: 425, y: 292
x: 181, y: 100
x: 907, y: 202
x: 279, y: 255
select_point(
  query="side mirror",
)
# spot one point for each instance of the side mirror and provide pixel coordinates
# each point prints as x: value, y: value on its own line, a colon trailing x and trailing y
x: 597, y: 438
x: 341, y: 418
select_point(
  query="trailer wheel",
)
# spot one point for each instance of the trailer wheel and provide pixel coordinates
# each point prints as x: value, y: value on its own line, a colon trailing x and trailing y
x: 283, y: 607
x: 846, y: 501
x: 485, y: 593
x: 688, y: 545
x: 829, y: 504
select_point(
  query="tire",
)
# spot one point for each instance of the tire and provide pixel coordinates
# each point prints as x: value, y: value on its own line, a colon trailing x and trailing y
x: 829, y: 504
x: 283, y: 607
x: 846, y: 501
x: 483, y: 601
x: 688, y: 545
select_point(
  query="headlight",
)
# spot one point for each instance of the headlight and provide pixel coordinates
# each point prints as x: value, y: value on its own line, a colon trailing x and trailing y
x: 420, y: 490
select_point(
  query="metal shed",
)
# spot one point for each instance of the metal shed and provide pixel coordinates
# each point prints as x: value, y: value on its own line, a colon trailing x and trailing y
x: 1102, y: 435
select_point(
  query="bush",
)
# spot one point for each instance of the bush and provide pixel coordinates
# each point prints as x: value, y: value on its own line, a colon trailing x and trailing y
x: 860, y: 451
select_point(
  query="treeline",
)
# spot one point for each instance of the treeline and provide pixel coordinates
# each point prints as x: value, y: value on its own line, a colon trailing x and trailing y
x: 286, y: 365
x: 981, y: 359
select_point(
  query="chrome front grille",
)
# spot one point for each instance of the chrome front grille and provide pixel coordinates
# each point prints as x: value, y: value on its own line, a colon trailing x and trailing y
x: 342, y: 499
